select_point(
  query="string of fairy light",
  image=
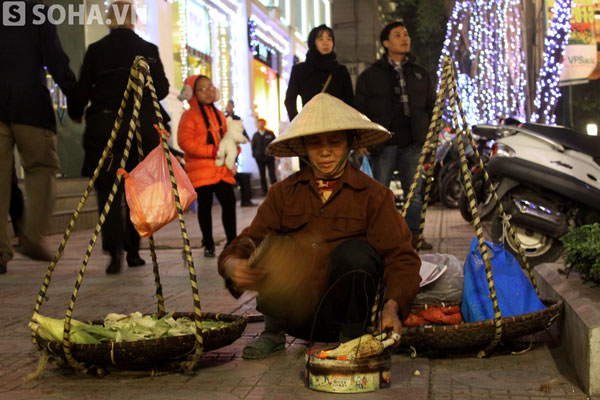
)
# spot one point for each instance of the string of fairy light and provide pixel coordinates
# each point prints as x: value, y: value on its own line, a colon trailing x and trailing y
x: 259, y: 32
x: 547, y: 92
x: 484, y: 37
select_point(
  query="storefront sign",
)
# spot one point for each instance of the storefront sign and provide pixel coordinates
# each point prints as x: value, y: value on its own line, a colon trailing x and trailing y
x: 580, y: 54
x: 198, y: 33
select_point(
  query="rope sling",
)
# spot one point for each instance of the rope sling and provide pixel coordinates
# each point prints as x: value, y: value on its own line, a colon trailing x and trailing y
x: 448, y: 94
x: 139, y: 79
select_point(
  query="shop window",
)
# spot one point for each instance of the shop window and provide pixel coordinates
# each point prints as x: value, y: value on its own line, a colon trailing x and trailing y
x: 285, y: 7
x: 266, y: 95
x: 300, y: 18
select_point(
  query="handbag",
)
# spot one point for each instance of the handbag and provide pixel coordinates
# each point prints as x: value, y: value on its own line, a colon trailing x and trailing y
x: 516, y: 295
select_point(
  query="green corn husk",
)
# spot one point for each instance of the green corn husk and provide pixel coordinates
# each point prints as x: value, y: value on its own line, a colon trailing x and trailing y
x: 119, y: 328
x: 52, y: 329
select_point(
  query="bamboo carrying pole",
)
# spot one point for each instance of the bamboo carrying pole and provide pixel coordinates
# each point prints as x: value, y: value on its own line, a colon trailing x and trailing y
x: 448, y: 96
x: 139, y: 79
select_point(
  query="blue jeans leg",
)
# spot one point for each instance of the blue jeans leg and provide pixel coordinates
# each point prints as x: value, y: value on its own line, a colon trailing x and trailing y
x: 407, y: 160
x: 384, y: 164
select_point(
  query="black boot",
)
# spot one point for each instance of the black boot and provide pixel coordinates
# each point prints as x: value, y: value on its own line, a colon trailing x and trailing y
x: 134, y: 260
x: 114, y: 267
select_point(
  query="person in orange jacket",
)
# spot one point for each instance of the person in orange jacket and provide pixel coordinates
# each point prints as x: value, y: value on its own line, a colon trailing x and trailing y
x: 199, y: 134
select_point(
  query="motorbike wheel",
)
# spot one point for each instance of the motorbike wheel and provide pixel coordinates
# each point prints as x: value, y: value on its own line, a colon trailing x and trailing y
x: 478, y: 183
x: 463, y: 207
x: 539, y: 248
x: 451, y: 189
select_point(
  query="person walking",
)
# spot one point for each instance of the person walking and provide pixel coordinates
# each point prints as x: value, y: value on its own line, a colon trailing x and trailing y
x: 241, y: 178
x: 103, y: 79
x: 321, y: 72
x: 200, y: 131
x: 29, y: 52
x: 260, y: 141
x: 398, y: 94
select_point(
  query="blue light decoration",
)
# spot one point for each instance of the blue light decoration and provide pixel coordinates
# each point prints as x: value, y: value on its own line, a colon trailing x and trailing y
x: 252, y: 40
x: 483, y: 37
x: 547, y: 92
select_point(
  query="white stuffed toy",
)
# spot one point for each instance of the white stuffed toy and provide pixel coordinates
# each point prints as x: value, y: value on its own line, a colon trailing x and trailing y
x: 228, y: 151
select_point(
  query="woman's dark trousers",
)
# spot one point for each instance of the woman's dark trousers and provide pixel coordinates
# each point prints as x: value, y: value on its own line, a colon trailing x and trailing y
x: 226, y: 197
x: 118, y: 233
x: 354, y: 269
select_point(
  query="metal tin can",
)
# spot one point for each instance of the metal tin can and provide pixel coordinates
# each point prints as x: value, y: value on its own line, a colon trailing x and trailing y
x: 347, y: 376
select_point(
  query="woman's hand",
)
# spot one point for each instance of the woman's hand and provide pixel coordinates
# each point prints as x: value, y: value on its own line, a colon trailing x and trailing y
x: 389, y: 317
x: 244, y: 277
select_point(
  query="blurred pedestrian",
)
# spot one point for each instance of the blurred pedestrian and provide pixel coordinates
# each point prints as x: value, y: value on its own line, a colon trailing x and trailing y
x: 241, y: 178
x: 321, y: 72
x: 260, y: 141
x: 230, y: 112
x: 200, y: 131
x: 27, y: 121
x: 17, y: 205
x: 103, y: 79
x: 398, y: 94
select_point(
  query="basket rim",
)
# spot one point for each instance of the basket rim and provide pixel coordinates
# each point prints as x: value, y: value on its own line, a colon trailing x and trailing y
x: 553, y: 306
x: 237, y: 322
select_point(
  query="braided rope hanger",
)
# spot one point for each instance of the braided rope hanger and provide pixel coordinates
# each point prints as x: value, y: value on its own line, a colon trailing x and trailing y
x: 139, y: 79
x: 449, y: 91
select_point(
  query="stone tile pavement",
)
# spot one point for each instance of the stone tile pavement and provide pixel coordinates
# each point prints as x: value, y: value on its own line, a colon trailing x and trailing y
x: 540, y: 373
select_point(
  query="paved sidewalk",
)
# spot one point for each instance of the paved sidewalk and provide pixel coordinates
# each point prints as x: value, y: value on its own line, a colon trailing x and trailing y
x: 540, y: 373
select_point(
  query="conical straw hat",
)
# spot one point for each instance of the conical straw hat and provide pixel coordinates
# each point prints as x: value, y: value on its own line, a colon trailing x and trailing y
x: 326, y: 113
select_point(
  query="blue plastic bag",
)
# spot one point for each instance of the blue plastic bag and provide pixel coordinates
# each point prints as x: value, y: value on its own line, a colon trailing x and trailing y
x: 515, y: 293
x: 366, y: 166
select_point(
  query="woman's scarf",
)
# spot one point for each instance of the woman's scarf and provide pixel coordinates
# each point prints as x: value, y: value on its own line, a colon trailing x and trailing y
x: 323, y: 62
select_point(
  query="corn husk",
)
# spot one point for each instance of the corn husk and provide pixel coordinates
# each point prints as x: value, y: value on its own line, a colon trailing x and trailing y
x: 118, y: 328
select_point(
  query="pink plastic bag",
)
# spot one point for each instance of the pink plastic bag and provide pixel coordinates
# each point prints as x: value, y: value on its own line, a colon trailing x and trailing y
x: 149, y: 192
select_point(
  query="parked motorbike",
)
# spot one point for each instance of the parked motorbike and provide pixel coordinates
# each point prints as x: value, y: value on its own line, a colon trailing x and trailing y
x: 547, y: 179
x: 488, y: 135
x: 450, y: 180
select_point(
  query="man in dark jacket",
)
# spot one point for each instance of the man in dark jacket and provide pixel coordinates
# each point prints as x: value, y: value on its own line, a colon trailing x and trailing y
x: 103, y: 79
x: 260, y: 141
x: 398, y: 94
x: 27, y: 121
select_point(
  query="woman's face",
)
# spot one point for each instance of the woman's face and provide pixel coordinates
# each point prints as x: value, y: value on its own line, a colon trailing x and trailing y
x: 325, y: 150
x: 204, y: 91
x: 324, y: 42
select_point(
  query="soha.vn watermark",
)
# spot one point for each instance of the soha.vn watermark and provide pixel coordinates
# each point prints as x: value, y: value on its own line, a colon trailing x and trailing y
x: 14, y: 13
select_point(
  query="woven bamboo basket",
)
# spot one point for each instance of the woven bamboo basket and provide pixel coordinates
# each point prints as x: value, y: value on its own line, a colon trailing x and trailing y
x: 163, y: 353
x: 473, y: 335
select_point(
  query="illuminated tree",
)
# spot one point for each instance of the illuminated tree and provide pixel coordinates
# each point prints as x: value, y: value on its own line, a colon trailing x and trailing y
x: 484, y: 39
x: 547, y: 92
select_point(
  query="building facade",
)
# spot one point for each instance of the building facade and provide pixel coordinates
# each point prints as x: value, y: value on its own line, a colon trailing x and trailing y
x: 246, y: 47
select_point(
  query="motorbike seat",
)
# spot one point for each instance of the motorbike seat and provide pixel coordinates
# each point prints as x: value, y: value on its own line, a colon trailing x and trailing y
x: 569, y: 138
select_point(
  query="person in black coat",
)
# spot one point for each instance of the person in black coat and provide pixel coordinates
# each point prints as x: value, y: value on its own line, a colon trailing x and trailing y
x: 308, y: 78
x: 260, y: 141
x: 29, y: 51
x: 103, y: 79
x: 399, y: 95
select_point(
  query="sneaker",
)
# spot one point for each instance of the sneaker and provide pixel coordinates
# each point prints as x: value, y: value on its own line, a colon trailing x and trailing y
x: 249, y: 204
x: 209, y: 252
